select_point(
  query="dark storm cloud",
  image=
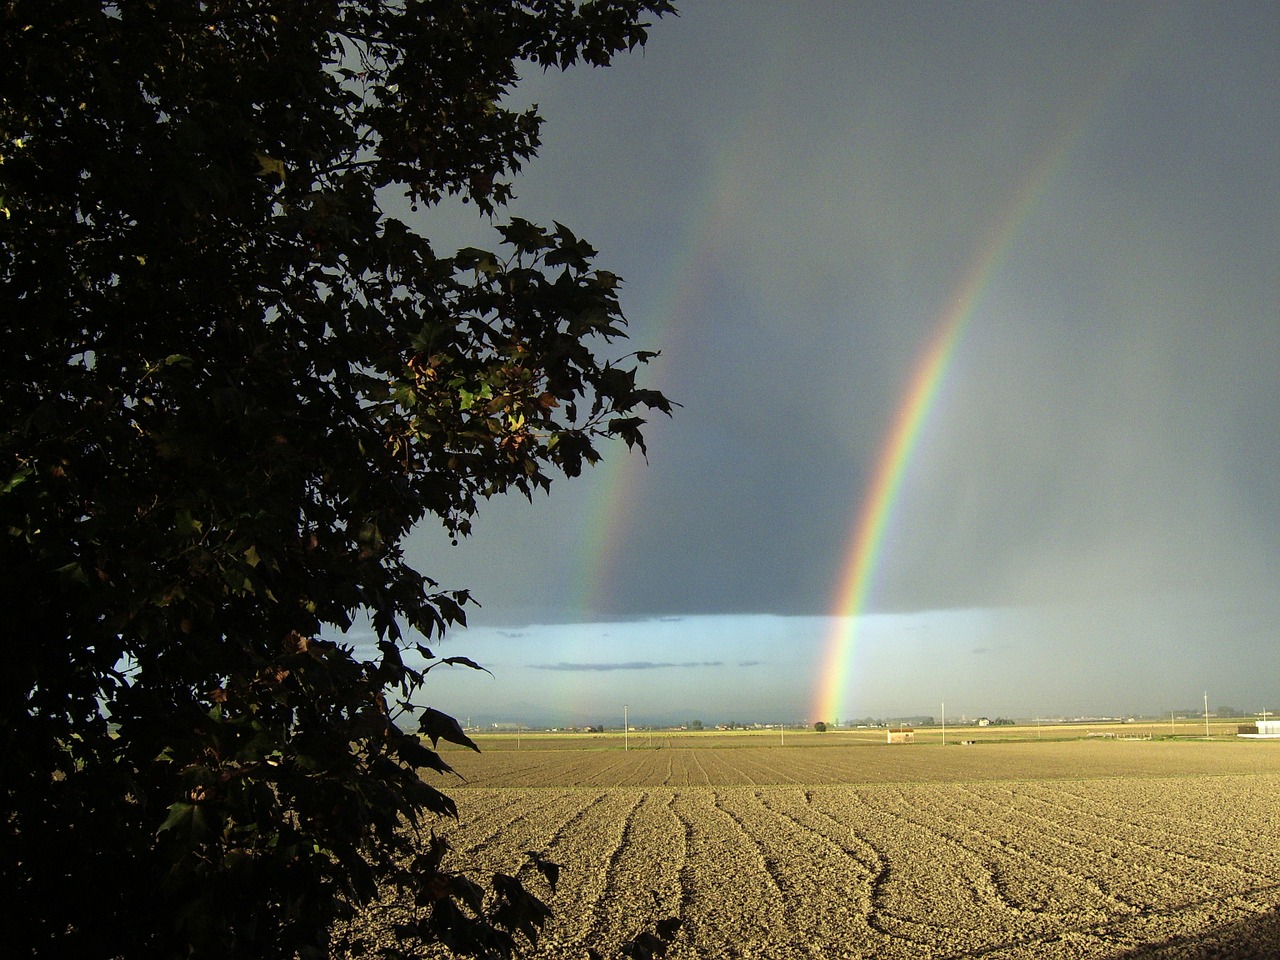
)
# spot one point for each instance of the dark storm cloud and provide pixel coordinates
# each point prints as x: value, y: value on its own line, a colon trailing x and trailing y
x: 1104, y: 438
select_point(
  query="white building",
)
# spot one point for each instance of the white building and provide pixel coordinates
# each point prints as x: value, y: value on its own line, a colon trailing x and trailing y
x: 1259, y: 730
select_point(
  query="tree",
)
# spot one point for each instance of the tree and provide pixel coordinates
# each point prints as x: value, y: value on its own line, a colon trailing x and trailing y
x: 232, y: 382
x: 820, y: 726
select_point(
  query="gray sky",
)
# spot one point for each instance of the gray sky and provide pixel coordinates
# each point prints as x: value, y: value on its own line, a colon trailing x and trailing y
x: 796, y: 193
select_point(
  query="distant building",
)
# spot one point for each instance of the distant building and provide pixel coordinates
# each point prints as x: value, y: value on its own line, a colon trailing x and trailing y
x: 1259, y: 730
x: 901, y: 735
x: 984, y: 722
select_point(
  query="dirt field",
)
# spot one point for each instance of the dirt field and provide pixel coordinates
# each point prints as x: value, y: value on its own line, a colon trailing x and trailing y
x: 1089, y: 848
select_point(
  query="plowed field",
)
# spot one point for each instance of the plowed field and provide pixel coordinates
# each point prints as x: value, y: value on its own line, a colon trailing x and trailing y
x: 1083, y: 849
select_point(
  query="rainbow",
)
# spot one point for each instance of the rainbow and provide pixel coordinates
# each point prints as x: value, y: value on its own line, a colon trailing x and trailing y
x: 877, y: 506
x: 619, y: 477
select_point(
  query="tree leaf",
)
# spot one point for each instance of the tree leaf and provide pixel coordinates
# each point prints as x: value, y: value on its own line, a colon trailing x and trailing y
x: 180, y: 814
x: 418, y: 756
x: 440, y: 726
x: 465, y: 662
x: 548, y: 869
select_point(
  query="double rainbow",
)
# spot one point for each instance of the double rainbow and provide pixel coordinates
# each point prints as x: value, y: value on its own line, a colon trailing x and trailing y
x: 718, y: 200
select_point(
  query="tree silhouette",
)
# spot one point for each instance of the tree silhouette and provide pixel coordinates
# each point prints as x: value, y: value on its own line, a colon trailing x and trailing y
x: 233, y: 382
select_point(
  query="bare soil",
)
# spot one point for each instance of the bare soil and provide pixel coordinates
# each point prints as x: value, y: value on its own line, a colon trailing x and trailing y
x: 1082, y: 849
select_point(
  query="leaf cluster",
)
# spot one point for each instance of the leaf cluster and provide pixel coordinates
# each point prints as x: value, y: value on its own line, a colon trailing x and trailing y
x: 450, y: 908
x: 648, y: 944
x: 231, y: 382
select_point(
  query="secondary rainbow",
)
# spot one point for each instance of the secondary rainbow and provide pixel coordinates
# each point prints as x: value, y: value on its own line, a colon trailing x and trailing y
x: 610, y: 513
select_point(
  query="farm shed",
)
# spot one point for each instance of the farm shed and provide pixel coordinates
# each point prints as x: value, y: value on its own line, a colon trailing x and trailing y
x: 1259, y: 730
x: 901, y: 735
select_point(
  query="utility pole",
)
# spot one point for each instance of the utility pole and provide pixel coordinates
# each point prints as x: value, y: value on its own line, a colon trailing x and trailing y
x: 944, y: 723
x: 1206, y: 714
x: 626, y: 730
